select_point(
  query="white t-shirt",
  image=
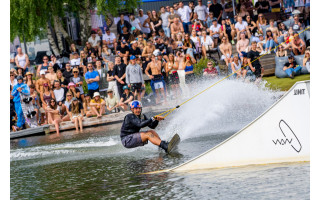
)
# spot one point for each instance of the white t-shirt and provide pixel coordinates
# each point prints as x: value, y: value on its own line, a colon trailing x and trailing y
x: 185, y: 13
x: 142, y: 19
x: 201, y: 11
x: 215, y: 29
x: 208, y: 41
x: 59, y: 94
x: 110, y: 38
x: 94, y: 42
x: 75, y: 62
x: 135, y: 23
x: 241, y: 26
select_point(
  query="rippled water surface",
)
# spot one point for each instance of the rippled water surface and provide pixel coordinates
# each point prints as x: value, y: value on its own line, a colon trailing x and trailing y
x: 95, y: 165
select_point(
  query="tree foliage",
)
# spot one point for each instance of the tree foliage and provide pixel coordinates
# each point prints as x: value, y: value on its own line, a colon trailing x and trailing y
x: 113, y: 7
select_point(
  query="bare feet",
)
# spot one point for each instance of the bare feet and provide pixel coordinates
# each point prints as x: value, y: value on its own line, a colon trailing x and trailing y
x: 99, y: 116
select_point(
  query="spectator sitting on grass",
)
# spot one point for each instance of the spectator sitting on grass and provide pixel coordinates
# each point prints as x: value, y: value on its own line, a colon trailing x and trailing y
x: 111, y: 102
x: 126, y: 98
x: 97, y: 105
x: 210, y: 71
x: 291, y: 67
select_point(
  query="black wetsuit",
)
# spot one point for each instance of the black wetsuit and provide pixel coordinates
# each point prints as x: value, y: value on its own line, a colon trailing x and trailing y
x: 132, y: 124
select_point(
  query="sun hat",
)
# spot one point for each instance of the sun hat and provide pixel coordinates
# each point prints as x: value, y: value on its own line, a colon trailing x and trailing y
x: 96, y: 94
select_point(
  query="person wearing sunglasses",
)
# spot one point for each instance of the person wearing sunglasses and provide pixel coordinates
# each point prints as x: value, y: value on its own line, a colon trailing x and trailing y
x: 44, y: 66
x: 92, y: 78
x: 77, y: 80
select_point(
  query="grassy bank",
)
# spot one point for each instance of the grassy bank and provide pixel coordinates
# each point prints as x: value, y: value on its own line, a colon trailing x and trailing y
x: 285, y: 84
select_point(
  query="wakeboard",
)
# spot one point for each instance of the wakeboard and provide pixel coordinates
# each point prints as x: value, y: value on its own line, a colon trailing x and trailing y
x: 175, y: 140
x: 28, y: 110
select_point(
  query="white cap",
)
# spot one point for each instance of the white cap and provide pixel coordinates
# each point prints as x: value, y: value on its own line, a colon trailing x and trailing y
x: 42, y: 71
x: 96, y: 94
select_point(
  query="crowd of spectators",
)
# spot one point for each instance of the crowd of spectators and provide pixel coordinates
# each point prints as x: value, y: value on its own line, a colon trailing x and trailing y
x: 162, y: 46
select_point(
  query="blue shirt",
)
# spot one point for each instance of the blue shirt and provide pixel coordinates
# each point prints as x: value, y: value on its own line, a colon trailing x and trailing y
x: 94, y: 85
x: 16, y: 94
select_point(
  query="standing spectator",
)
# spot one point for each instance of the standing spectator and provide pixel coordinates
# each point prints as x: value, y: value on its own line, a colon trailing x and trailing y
x: 242, y: 45
x: 210, y: 71
x: 20, y: 87
x: 275, y: 7
x: 22, y: 60
x: 35, y: 100
x: 263, y: 6
x: 298, y: 45
x: 171, y: 17
x: 201, y: 10
x: 296, y: 24
x: 110, y: 39
x: 120, y: 74
x: 291, y: 67
x: 126, y: 98
x: 46, y: 95
x: 112, y: 103
x: 254, y: 61
x: 135, y: 22
x: 68, y: 72
x: 42, y: 80
x: 189, y: 62
x: 123, y: 51
x: 206, y: 43
x: 51, y: 75
x: 216, y: 9
x: 94, y: 40
x: 121, y: 23
x: 13, y: 80
x: 97, y: 105
x: 184, y: 12
x: 112, y: 80
x: 171, y: 69
x: 156, y: 22
x: 92, y: 79
x: 145, y: 22
x: 134, y: 78
x: 165, y: 21
x: 76, y: 114
x: 229, y: 30
x: 215, y: 31
x: 228, y: 8
x: 241, y: 27
x: 226, y: 50
x: 210, y: 20
x: 103, y: 83
x: 243, y: 12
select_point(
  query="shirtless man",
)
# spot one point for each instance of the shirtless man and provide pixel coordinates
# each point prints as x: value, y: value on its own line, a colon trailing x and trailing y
x: 242, y: 45
x: 226, y: 50
x: 41, y: 81
x: 148, y: 50
x: 156, y: 77
x: 298, y: 46
x: 176, y: 27
x: 273, y: 28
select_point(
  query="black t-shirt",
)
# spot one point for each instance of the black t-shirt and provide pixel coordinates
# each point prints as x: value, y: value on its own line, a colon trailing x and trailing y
x: 161, y: 47
x: 111, y: 73
x: 263, y: 4
x: 64, y: 82
x: 125, y: 36
x: 67, y: 75
x: 123, y: 49
x: 276, y: 5
x: 253, y: 55
x: 135, y: 52
x: 80, y: 107
x: 216, y: 9
x: 227, y: 6
x: 125, y: 97
x: 119, y: 70
x: 288, y: 64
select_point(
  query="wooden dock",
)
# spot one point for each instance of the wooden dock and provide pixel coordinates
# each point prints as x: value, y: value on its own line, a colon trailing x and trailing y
x: 87, y: 122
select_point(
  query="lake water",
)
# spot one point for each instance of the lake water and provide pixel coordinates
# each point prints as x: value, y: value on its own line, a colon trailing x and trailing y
x: 95, y: 165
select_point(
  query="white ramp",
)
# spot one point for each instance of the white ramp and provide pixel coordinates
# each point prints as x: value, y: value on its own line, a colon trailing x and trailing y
x: 280, y: 134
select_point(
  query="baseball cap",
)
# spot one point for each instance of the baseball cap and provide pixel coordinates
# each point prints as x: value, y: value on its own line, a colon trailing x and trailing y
x: 132, y: 57
x: 290, y: 56
x: 42, y: 72
x: 93, y: 32
x: 74, y: 99
x: 125, y: 87
x: 19, y: 78
x: 215, y: 19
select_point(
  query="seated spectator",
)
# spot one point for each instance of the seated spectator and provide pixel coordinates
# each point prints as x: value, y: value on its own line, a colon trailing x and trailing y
x: 75, y: 61
x: 162, y: 35
x: 135, y: 50
x: 135, y: 22
x: 229, y: 30
x: 155, y: 22
x: 243, y: 11
x: 291, y: 67
x: 68, y: 100
x: 236, y: 67
x: 241, y: 27
x: 67, y: 74
x: 97, y: 105
x: 76, y: 114
x: 196, y: 41
x: 126, y: 98
x: 281, y: 51
x: 209, y: 20
x: 86, y: 106
x: 176, y: 27
x: 29, y: 81
x: 41, y: 81
x: 77, y: 80
x: 20, y: 72
x: 92, y: 78
x: 161, y: 46
x: 197, y: 25
x: 110, y: 39
x: 89, y: 50
x: 43, y: 66
x: 271, y: 42
x: 54, y: 114
x: 63, y: 81
x: 52, y: 76
x: 13, y: 79
x: 73, y: 48
x: 283, y: 31
x: 242, y: 45
x: 59, y: 92
x: 73, y: 90
x: 94, y: 40
x: 188, y: 45
x: 105, y: 55
x: 55, y: 63
x: 261, y: 44
x: 306, y: 60
x: 254, y: 62
x: 178, y: 43
x: 252, y: 27
x: 125, y: 35
x: 210, y: 71
x: 296, y: 25
x: 142, y: 41
x: 206, y: 43
x: 298, y: 45
x: 226, y: 50
x: 148, y: 50
x: 261, y: 22
x: 215, y: 31
x: 273, y: 28
x: 122, y: 23
x: 112, y: 102
x: 123, y: 51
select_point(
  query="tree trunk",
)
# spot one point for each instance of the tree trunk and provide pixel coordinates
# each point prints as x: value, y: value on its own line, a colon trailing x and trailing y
x: 85, y: 22
x: 65, y: 34
x: 51, y: 41
x: 58, y: 34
